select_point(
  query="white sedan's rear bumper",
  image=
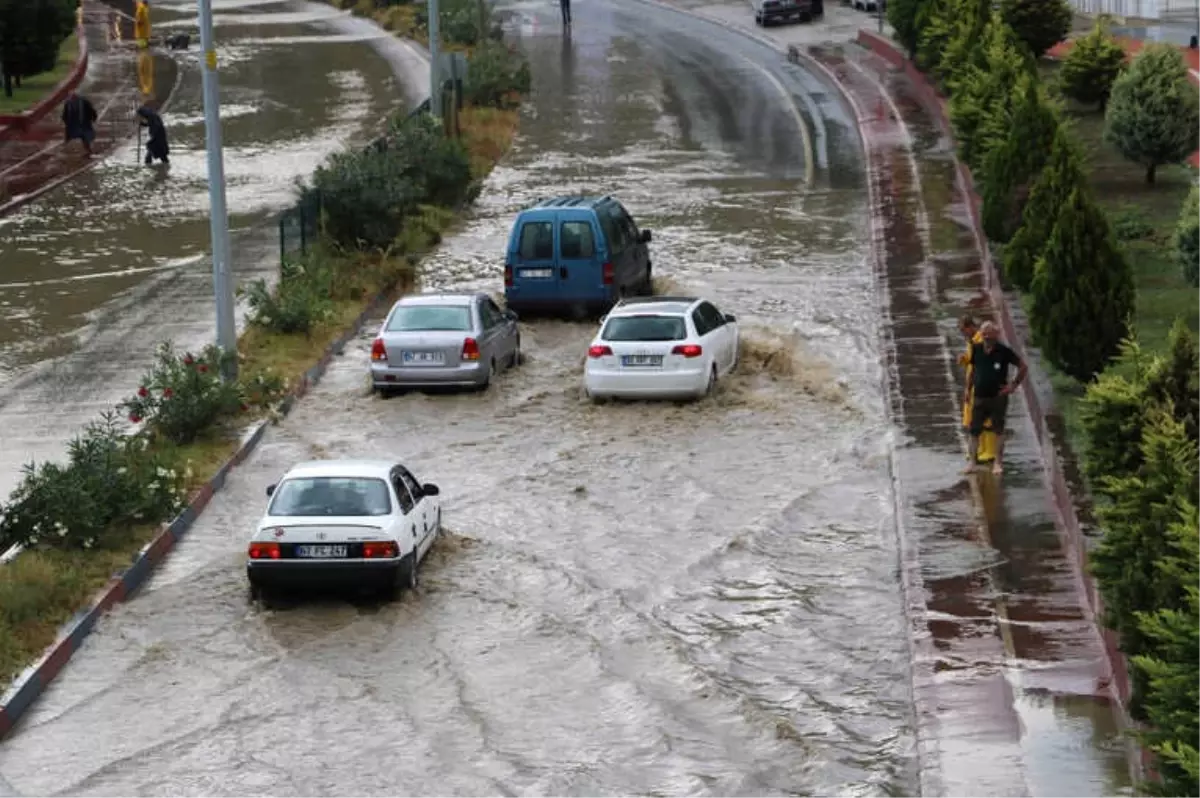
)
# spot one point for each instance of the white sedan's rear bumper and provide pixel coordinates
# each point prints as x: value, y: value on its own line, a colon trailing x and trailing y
x: 645, y: 383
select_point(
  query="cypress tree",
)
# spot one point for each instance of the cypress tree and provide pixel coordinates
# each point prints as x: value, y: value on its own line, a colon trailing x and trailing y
x: 1091, y: 66
x: 1082, y: 290
x: 1061, y: 175
x: 1010, y: 168
x: 1137, y: 527
x: 904, y: 16
x: 1040, y: 24
x: 1113, y: 414
x: 981, y: 105
x: 1187, y: 237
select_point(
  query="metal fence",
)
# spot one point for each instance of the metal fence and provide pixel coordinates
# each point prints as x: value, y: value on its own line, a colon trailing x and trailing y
x: 300, y: 224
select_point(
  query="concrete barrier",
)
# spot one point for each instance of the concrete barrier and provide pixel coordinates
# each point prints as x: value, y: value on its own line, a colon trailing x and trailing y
x: 12, y: 125
x: 35, y: 679
x: 1066, y: 519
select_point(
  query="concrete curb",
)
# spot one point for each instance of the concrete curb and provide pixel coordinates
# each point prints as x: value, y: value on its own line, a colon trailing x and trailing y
x: 35, y: 679
x: 1066, y: 519
x: 12, y: 124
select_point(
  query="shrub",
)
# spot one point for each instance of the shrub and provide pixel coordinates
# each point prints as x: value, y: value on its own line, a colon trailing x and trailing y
x: 1083, y: 291
x: 1040, y: 24
x: 904, y: 17
x: 981, y: 105
x: 299, y: 303
x: 110, y: 481
x: 183, y: 396
x: 1091, y: 66
x: 1153, y: 116
x: 1187, y: 237
x: 1137, y: 523
x: 440, y: 167
x: 1061, y: 175
x: 460, y: 21
x: 496, y: 76
x: 1113, y: 414
x: 1010, y: 168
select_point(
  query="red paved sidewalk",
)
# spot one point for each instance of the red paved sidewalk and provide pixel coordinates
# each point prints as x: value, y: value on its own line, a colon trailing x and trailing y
x: 1131, y: 46
x: 36, y: 157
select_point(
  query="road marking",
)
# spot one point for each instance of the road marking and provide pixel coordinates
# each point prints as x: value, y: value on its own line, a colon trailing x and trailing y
x: 809, y: 152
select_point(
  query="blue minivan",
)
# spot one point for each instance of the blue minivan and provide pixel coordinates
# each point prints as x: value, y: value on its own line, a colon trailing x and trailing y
x: 575, y: 255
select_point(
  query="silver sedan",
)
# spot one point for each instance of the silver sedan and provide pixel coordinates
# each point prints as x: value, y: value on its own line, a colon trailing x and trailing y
x: 453, y: 339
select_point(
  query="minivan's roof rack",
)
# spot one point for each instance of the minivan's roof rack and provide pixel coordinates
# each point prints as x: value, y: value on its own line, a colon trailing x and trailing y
x: 647, y: 300
x: 569, y: 201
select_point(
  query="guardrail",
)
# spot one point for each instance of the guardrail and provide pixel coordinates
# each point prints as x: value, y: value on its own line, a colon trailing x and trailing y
x: 300, y: 224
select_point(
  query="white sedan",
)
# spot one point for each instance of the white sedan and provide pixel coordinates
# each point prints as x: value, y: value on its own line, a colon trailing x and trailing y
x: 661, y: 348
x: 344, y: 522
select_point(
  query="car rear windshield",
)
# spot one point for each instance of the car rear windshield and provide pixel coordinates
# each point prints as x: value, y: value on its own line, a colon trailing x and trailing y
x: 331, y: 496
x: 645, y: 328
x: 419, y: 318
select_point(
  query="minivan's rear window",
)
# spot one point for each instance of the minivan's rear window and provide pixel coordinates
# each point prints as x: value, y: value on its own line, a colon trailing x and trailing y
x: 331, y: 496
x: 428, y: 318
x: 537, y: 241
x: 577, y: 240
x: 645, y: 328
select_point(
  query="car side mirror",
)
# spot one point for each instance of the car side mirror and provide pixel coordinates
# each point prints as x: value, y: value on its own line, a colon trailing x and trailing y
x: 729, y: 317
x: 429, y: 489
x: 512, y: 315
x: 646, y: 236
x: 270, y: 489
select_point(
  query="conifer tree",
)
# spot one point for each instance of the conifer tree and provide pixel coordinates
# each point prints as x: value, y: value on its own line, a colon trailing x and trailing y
x: 1187, y: 237
x: 1137, y: 523
x: 904, y: 16
x: 1091, y: 66
x: 981, y: 105
x: 1040, y: 24
x: 1061, y: 175
x: 1010, y: 167
x: 1153, y: 116
x: 1082, y: 290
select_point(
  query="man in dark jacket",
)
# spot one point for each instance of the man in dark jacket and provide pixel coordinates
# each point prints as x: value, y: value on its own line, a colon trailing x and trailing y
x: 79, y: 120
x: 156, y: 146
x: 565, y: 7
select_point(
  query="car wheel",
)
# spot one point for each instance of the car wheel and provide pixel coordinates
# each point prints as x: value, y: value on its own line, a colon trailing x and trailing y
x: 712, y: 382
x: 516, y: 355
x: 647, y: 287
x: 409, y: 571
x: 487, y: 378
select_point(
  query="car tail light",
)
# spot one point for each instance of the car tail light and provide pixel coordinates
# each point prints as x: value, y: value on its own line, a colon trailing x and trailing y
x: 264, y: 551
x: 508, y: 277
x: 377, y: 549
x: 378, y: 352
x: 470, y: 350
x: 688, y: 350
x: 599, y: 351
x: 608, y: 274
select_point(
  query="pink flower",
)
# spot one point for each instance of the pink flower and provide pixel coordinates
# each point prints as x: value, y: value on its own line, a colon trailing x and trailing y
x: 135, y: 418
x: 202, y: 368
x: 142, y: 392
x: 168, y: 393
x: 188, y: 360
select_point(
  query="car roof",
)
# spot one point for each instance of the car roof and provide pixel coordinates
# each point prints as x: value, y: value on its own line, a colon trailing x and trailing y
x: 440, y: 298
x: 653, y: 304
x: 342, y: 468
x: 584, y: 201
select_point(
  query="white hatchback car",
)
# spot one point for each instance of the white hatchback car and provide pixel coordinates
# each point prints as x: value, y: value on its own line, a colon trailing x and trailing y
x: 344, y: 522
x: 661, y: 348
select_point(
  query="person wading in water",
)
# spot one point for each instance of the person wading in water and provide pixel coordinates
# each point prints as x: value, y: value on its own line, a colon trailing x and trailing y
x: 156, y: 145
x: 989, y: 390
x: 565, y: 6
x: 79, y: 120
x: 987, y: 440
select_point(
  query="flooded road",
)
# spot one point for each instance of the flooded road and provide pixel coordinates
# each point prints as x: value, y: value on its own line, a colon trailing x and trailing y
x: 95, y: 274
x: 631, y: 598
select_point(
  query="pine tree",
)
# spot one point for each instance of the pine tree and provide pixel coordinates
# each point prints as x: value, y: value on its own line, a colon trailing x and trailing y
x: 936, y: 26
x: 1040, y: 24
x: 1174, y: 379
x: 981, y: 104
x: 1137, y: 524
x: 1061, y: 175
x: 1113, y: 414
x: 1010, y: 168
x: 1091, y: 66
x: 1153, y: 116
x: 1082, y: 291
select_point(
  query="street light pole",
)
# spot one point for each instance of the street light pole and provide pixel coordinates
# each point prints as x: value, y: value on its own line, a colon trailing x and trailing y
x: 435, y: 49
x: 218, y: 216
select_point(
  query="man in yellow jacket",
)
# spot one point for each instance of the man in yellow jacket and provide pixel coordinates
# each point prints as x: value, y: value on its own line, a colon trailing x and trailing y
x: 141, y: 24
x: 987, y: 440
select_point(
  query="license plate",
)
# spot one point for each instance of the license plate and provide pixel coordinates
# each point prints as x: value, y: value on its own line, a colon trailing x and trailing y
x: 537, y: 274
x: 321, y: 552
x: 641, y: 360
x: 427, y: 358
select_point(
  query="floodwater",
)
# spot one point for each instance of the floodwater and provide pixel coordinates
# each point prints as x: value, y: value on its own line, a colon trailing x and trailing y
x: 632, y: 598
x: 95, y: 274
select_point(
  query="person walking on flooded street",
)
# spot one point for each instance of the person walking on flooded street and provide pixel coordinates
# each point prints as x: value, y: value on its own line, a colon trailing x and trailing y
x: 987, y: 440
x: 565, y: 7
x: 156, y: 145
x: 989, y: 390
x: 79, y: 120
